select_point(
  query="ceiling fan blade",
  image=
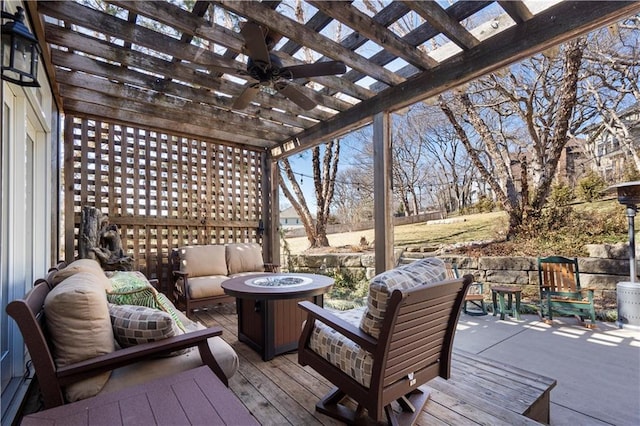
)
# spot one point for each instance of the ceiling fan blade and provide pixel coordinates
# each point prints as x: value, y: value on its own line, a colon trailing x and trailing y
x: 254, y: 39
x: 217, y: 69
x: 296, y: 96
x: 246, y: 97
x: 313, y: 70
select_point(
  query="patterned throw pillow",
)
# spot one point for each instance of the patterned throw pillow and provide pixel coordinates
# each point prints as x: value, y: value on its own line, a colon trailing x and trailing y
x: 133, y: 325
x: 134, y: 289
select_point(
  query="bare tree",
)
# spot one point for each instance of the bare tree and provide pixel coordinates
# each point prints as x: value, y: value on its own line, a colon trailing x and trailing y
x: 409, y: 171
x: 446, y: 168
x: 324, y: 177
x: 538, y: 95
x: 353, y: 199
x: 353, y: 196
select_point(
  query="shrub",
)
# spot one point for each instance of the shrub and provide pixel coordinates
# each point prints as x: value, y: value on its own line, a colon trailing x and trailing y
x: 485, y: 204
x: 591, y: 186
x: 349, y: 290
x: 631, y: 173
x: 561, y: 195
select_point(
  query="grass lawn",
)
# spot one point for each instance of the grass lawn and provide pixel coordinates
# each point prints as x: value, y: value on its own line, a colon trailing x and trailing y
x: 493, y: 226
x: 475, y: 227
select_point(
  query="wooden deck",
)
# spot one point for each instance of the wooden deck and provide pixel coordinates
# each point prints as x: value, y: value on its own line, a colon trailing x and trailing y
x: 281, y: 392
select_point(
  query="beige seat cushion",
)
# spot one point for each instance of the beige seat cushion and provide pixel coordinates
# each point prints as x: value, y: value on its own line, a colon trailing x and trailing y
x: 144, y: 371
x: 82, y: 265
x: 199, y: 261
x: 244, y: 257
x: 78, y: 321
x: 200, y: 287
x: 341, y: 351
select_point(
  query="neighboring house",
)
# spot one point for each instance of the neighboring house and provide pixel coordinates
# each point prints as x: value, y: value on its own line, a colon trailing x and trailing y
x: 289, y: 218
x: 573, y: 163
x: 610, y: 153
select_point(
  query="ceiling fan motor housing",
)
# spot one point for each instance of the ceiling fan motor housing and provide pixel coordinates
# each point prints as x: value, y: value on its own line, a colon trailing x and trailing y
x: 263, y: 71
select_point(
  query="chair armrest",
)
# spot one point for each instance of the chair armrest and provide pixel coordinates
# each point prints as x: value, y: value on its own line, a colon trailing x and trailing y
x: 154, y: 283
x: 314, y: 311
x: 120, y: 358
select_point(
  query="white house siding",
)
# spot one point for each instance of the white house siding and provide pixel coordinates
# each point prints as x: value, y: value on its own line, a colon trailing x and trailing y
x: 28, y: 184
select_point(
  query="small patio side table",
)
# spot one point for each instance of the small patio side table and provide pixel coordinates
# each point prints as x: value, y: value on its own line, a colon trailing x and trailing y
x: 497, y: 296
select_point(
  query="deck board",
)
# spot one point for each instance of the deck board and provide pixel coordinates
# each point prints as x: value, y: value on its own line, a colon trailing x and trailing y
x: 480, y: 391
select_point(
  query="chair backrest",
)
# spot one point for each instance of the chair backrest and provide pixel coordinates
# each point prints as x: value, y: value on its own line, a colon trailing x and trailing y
x: 416, y: 339
x: 559, y: 274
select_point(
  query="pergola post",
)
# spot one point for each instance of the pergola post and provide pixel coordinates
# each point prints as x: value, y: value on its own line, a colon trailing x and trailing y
x: 270, y: 209
x: 382, y: 189
x: 69, y: 226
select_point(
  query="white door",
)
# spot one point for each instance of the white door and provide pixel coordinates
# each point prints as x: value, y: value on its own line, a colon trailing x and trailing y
x: 23, y: 221
x: 5, y: 335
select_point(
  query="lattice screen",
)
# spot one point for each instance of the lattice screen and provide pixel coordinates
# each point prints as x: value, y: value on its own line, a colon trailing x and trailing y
x: 163, y: 191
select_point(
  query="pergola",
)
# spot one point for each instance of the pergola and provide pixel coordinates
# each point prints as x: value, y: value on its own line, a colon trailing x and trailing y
x: 151, y: 135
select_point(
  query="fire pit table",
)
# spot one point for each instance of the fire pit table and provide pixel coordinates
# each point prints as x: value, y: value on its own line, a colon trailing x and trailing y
x: 269, y: 319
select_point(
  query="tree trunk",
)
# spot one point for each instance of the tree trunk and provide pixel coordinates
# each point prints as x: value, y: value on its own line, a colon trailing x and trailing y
x: 324, y: 182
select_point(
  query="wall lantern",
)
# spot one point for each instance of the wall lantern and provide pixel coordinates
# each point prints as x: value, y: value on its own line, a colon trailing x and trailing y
x: 20, y: 51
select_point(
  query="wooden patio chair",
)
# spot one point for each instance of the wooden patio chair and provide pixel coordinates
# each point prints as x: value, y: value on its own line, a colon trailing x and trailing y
x: 560, y: 290
x: 414, y: 346
x: 474, y: 296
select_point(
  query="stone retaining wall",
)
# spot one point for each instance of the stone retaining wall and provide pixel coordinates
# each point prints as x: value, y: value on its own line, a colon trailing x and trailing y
x: 600, y: 273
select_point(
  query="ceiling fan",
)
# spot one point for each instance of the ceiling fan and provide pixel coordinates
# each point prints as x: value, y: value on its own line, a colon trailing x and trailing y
x: 266, y: 68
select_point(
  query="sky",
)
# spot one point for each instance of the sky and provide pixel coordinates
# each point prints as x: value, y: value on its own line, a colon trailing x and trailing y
x: 301, y: 165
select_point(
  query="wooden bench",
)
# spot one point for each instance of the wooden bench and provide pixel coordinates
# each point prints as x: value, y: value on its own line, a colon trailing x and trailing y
x: 486, y: 389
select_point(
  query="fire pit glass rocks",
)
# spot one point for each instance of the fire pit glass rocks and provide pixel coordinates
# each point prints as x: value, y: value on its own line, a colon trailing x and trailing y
x: 278, y: 281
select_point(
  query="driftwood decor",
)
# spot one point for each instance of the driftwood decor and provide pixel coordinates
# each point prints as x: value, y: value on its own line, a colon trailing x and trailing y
x: 101, y: 241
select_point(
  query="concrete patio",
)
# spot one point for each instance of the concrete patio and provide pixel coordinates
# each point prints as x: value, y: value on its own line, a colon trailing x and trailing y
x: 597, y: 371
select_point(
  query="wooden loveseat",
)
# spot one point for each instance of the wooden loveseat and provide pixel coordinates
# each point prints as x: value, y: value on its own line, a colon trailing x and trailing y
x: 82, y: 345
x: 199, y: 271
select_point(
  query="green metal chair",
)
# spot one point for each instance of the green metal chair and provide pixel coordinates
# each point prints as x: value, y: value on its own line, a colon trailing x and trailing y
x: 560, y: 290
